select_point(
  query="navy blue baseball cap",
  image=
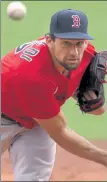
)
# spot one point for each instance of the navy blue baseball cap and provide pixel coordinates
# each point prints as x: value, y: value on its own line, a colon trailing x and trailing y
x: 70, y: 24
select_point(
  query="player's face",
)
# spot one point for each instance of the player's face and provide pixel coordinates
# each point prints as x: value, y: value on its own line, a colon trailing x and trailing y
x: 68, y: 53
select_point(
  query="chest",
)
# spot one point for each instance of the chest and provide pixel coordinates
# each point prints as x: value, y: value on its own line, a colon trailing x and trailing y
x: 66, y: 87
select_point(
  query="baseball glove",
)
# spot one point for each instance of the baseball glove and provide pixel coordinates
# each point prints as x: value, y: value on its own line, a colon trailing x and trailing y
x: 93, y: 80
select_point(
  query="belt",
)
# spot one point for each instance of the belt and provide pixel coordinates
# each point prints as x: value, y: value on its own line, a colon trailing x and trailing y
x: 6, y: 117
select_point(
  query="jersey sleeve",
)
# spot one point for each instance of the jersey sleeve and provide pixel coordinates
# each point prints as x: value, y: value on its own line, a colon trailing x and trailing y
x: 37, y: 99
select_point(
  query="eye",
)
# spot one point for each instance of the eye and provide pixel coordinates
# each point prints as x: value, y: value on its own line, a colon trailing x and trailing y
x: 79, y: 44
x: 66, y: 43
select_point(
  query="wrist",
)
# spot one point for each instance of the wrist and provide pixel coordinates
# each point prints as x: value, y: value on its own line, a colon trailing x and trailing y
x: 103, y: 157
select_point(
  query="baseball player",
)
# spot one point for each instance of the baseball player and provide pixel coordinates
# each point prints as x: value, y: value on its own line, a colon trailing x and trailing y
x: 37, y: 79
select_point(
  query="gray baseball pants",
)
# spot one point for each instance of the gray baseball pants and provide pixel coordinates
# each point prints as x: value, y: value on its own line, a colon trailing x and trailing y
x: 32, y: 152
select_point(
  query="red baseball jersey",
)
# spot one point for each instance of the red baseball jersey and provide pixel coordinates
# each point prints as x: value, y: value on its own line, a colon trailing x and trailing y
x: 32, y: 87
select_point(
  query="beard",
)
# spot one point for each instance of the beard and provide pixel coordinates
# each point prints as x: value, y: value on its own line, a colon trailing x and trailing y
x: 68, y: 67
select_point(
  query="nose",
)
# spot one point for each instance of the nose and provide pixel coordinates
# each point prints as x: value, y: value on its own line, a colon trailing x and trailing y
x: 73, y: 51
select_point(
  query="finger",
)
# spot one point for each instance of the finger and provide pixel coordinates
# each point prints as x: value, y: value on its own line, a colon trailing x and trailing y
x: 90, y: 95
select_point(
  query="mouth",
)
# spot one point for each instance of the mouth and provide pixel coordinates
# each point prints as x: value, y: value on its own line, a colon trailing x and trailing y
x: 73, y: 61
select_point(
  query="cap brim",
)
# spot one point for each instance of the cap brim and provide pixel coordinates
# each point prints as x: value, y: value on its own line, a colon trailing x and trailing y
x: 73, y: 35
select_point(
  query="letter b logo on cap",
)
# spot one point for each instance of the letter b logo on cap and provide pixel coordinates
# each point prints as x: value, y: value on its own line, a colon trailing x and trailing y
x: 76, y: 21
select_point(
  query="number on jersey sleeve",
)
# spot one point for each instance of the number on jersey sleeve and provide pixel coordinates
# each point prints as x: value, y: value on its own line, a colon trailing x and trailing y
x: 27, y: 51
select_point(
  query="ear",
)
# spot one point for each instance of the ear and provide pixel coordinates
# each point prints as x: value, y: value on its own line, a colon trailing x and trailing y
x: 49, y: 41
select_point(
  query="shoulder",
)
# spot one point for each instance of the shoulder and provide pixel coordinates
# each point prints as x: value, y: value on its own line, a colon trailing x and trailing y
x: 30, y: 63
x: 30, y: 56
x: 90, y: 50
x: 28, y: 51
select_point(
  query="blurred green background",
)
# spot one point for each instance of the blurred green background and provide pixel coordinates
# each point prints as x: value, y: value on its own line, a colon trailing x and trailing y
x: 35, y: 24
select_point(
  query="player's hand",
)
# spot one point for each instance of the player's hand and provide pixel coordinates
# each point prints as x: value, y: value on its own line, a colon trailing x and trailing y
x: 92, y: 81
x: 90, y: 95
